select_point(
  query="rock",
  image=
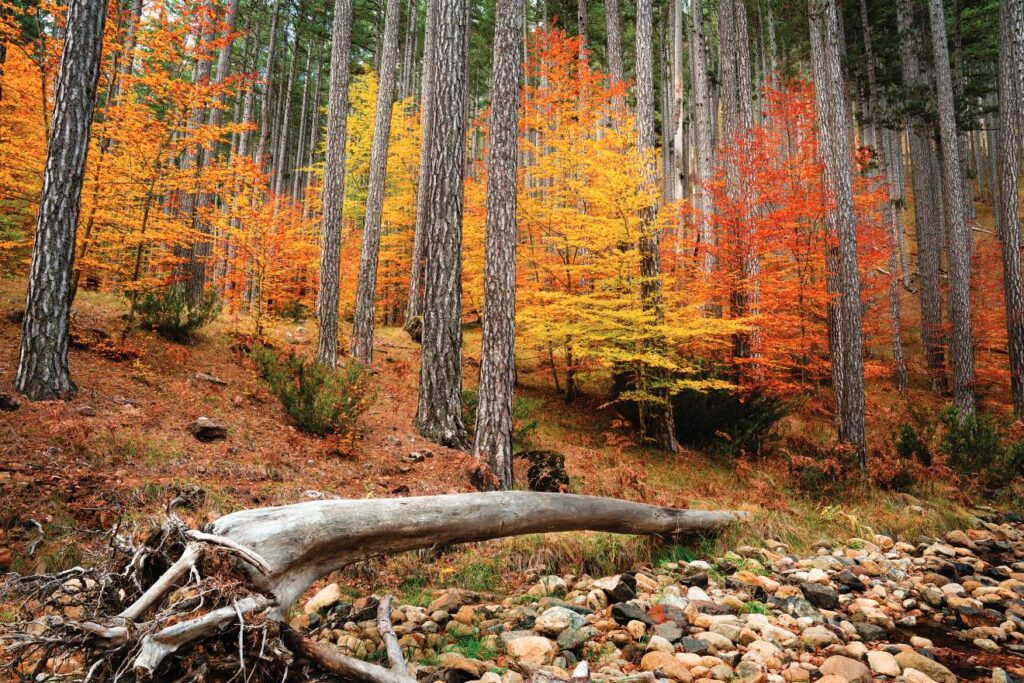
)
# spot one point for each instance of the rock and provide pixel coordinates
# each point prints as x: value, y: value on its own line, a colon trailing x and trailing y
x: 625, y: 612
x: 909, y: 659
x: 695, y: 646
x: 453, y: 660
x: 206, y: 430
x: 986, y: 644
x: 8, y: 403
x: 850, y: 669
x: 328, y: 596
x: 721, y: 672
x: 750, y: 672
x: 817, y: 637
x: 667, y: 664
x: 546, y: 471
x: 657, y: 643
x: 669, y: 630
x: 620, y: 588
x: 85, y: 411
x: 819, y: 595
x: 534, y: 650
x: 549, y: 585
x: 451, y: 600
x: 556, y: 619
x: 572, y: 639
x: 636, y: 629
x: 869, y: 632
x: 203, y: 377
x: 883, y: 663
x: 915, y: 676
x: 716, y: 641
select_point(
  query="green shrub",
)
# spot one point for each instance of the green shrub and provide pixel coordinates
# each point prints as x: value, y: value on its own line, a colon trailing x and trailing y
x: 319, y: 400
x: 910, y: 445
x: 169, y: 313
x: 732, y: 423
x: 524, y: 415
x: 975, y: 447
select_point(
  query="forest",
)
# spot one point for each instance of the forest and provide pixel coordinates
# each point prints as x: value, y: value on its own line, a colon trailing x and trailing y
x: 319, y: 318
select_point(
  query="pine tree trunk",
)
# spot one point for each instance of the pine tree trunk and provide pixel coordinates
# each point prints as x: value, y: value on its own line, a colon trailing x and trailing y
x: 281, y: 157
x: 928, y: 218
x: 961, y: 347
x: 836, y: 145
x: 414, y: 307
x: 661, y: 425
x: 613, y: 26
x: 366, y: 291
x: 493, y: 438
x: 582, y: 25
x: 703, y: 142
x: 268, y: 77
x: 882, y: 143
x: 300, y: 140
x: 1011, y: 114
x: 408, y: 48
x: 439, y: 412
x: 43, y: 371
x: 334, y: 185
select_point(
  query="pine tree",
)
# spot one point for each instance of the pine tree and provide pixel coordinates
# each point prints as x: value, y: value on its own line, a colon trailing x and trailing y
x: 43, y: 371
x: 334, y: 185
x: 366, y: 294
x: 836, y: 143
x: 493, y: 438
x: 439, y: 411
x: 961, y: 347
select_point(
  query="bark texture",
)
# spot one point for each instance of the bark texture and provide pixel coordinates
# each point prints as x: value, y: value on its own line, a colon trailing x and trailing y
x: 334, y: 185
x: 703, y: 139
x: 961, y: 345
x: 657, y: 423
x: 493, y: 438
x: 366, y: 291
x: 1011, y: 114
x: 439, y: 411
x: 613, y: 28
x: 43, y: 371
x: 836, y: 143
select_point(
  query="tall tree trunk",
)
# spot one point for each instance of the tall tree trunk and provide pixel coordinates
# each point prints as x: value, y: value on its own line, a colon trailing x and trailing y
x: 408, y: 48
x: 366, y: 291
x: 268, y: 90
x: 582, y: 25
x: 660, y: 424
x: 439, y: 413
x: 613, y: 27
x: 43, y: 371
x: 703, y: 141
x: 1011, y: 114
x: 928, y: 220
x: 882, y: 142
x: 414, y: 307
x: 680, y: 152
x: 836, y: 144
x: 300, y: 140
x: 493, y: 438
x: 334, y: 185
x: 961, y: 347
x: 281, y: 157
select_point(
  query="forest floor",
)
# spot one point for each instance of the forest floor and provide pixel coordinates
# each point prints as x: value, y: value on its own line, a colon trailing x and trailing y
x: 115, y: 454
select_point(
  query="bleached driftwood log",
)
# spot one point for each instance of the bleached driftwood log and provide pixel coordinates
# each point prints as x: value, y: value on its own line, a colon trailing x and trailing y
x: 283, y: 550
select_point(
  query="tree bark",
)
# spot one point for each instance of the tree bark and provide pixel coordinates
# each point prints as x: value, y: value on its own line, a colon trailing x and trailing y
x: 268, y: 77
x: 334, y: 185
x: 281, y: 156
x: 836, y: 145
x: 414, y: 306
x: 961, y: 347
x: 439, y: 412
x: 928, y: 218
x: 43, y: 371
x: 582, y: 25
x: 493, y: 438
x: 703, y: 141
x: 1011, y: 113
x: 613, y: 27
x: 366, y: 290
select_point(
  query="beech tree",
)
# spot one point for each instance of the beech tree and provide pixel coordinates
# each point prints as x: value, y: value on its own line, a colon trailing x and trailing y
x: 439, y: 411
x: 334, y: 185
x: 835, y: 138
x: 366, y: 294
x: 961, y: 345
x: 493, y: 438
x: 43, y: 372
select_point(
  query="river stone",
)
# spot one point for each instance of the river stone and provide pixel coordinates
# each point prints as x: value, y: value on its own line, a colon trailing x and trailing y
x: 819, y: 595
x: 535, y: 650
x: 669, y: 665
x: 848, y: 668
x: 556, y: 619
x: 625, y: 612
x: 669, y: 630
x: 909, y: 659
x: 883, y: 663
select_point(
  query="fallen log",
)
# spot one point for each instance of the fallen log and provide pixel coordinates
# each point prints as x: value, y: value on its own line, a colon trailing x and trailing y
x: 280, y: 551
